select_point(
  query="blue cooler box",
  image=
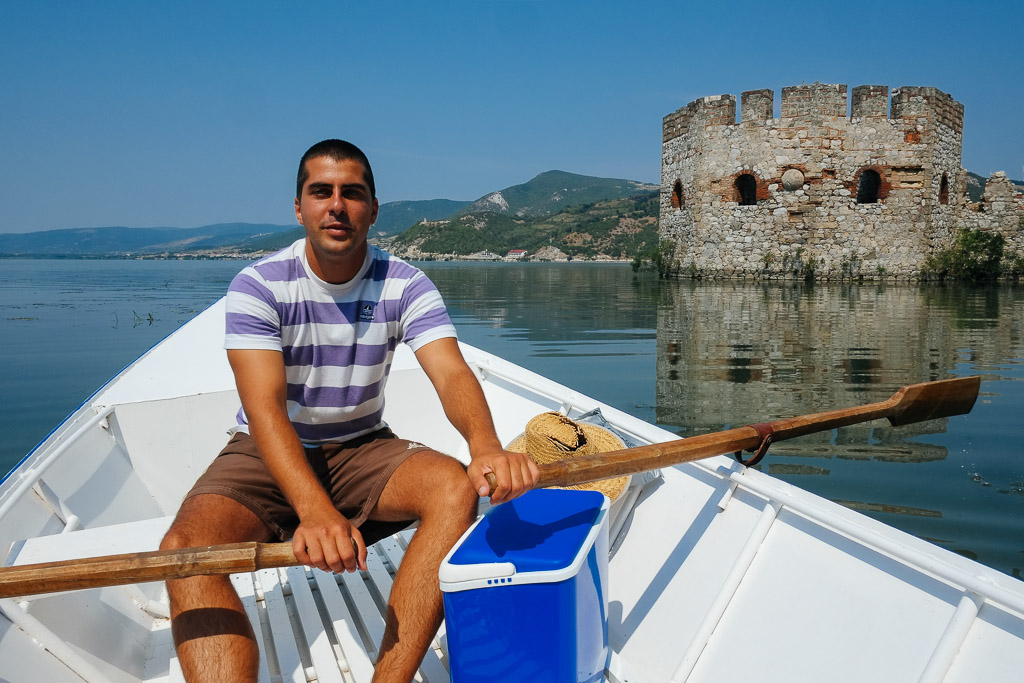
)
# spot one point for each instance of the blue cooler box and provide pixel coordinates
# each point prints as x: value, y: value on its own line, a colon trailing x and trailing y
x: 525, y: 591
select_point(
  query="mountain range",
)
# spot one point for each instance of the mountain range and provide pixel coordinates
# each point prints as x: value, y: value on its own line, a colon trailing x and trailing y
x: 119, y: 240
x: 552, y: 192
x: 546, y: 195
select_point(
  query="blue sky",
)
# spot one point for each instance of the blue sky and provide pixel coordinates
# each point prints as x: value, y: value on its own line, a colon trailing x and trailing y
x: 189, y: 113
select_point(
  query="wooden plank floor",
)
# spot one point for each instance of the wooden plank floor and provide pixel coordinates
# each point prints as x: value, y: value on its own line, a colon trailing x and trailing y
x: 317, y: 626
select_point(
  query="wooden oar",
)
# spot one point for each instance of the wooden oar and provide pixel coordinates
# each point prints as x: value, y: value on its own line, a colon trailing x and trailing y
x: 157, y: 565
x: 913, y: 403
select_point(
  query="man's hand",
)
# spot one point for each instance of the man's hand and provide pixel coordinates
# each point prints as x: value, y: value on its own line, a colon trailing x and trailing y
x: 329, y: 542
x: 515, y: 473
x: 466, y: 407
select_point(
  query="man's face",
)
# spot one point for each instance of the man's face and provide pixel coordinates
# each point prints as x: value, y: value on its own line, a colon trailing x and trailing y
x: 337, y: 210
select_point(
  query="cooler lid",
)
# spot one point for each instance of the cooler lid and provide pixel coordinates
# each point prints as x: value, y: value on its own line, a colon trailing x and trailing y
x: 543, y: 530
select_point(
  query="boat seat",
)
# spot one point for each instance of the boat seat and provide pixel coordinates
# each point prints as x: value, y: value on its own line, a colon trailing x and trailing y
x: 137, y: 536
x: 310, y: 624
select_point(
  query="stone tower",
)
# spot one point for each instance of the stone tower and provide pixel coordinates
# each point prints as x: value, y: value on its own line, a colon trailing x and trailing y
x: 866, y: 189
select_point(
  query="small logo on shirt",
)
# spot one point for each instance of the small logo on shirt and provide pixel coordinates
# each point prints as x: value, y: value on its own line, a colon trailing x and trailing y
x: 366, y: 312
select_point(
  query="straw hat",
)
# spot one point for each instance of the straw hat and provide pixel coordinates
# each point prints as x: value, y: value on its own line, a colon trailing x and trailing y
x: 552, y: 436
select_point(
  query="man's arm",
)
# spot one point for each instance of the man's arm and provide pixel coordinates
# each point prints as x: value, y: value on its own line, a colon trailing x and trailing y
x: 324, y: 538
x: 466, y: 408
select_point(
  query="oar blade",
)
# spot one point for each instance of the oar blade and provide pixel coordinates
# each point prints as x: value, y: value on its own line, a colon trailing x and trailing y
x: 933, y: 400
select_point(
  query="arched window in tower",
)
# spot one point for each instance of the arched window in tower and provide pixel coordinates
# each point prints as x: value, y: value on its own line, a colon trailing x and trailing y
x: 677, y: 194
x: 944, y: 190
x: 746, y: 188
x: 868, y: 187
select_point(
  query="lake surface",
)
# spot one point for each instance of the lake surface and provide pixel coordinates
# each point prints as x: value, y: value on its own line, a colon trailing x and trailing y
x: 693, y: 357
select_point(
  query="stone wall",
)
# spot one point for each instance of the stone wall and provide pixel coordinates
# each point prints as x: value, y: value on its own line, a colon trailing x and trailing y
x: 867, y: 191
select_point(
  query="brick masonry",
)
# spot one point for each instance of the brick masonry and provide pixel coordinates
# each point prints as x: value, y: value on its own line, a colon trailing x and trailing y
x: 868, y: 190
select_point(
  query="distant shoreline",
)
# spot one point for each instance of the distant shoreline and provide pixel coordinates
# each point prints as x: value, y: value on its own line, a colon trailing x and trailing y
x: 134, y: 257
x: 255, y: 256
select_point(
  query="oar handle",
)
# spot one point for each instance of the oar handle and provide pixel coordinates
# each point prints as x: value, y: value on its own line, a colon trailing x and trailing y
x: 157, y: 565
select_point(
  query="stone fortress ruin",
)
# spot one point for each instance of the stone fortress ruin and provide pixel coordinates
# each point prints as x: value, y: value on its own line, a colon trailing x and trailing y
x: 868, y: 190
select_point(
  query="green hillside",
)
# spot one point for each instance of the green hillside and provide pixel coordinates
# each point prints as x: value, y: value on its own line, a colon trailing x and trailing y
x: 552, y: 192
x: 271, y: 243
x: 395, y: 217
x: 616, y: 228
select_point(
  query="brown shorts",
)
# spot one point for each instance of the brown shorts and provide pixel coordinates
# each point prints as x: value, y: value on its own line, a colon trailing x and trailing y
x: 353, y: 473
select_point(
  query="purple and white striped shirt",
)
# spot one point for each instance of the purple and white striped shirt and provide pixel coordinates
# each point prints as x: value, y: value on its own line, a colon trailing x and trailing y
x: 337, y: 340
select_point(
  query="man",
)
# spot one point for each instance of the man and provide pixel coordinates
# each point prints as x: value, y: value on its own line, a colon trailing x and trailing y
x: 310, y: 335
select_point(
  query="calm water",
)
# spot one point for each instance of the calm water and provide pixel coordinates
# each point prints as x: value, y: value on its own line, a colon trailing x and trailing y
x: 691, y: 357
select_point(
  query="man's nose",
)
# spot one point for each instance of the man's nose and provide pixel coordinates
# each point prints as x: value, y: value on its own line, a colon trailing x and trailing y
x: 337, y: 203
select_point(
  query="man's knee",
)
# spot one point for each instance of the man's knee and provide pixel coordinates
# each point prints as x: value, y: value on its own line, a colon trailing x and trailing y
x: 453, y: 492
x: 431, y: 486
x: 175, y: 539
x: 187, y: 532
x: 211, y: 519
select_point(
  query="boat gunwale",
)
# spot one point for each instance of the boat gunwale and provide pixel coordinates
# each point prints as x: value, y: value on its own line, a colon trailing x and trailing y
x: 970, y: 579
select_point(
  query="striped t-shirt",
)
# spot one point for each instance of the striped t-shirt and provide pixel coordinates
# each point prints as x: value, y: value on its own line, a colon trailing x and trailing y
x: 337, y: 340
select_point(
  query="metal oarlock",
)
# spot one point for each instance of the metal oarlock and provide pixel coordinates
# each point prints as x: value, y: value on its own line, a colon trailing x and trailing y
x: 764, y: 430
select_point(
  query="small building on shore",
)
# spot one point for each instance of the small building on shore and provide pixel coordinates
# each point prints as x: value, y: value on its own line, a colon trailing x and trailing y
x: 485, y: 255
x: 868, y: 189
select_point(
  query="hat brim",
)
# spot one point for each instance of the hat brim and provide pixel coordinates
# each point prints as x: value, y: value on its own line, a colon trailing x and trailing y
x: 605, y: 441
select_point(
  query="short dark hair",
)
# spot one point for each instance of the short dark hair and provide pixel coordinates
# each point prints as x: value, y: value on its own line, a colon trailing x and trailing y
x: 339, y: 150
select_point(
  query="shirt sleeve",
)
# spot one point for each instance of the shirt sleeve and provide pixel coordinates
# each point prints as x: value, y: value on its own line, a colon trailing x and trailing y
x: 424, y: 317
x: 252, y: 319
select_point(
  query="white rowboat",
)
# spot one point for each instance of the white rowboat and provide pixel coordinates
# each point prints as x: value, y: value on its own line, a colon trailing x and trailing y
x: 716, y: 573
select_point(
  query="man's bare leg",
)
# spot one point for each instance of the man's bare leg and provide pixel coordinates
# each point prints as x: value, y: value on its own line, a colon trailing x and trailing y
x: 433, y: 488
x: 212, y: 634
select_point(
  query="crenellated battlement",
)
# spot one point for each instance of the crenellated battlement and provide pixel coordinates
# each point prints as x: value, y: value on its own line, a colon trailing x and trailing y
x: 931, y: 103
x: 757, y: 106
x: 869, y: 101
x: 816, y: 102
x: 866, y: 179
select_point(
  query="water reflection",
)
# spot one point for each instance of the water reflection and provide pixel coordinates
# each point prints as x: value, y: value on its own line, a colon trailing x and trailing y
x: 732, y: 353
x: 551, y: 303
x: 587, y: 326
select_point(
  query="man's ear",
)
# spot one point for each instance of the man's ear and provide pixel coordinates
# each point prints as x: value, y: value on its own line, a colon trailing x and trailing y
x: 376, y: 208
x: 298, y: 212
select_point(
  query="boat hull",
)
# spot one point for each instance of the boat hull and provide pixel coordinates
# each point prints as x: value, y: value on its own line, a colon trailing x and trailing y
x: 715, y: 572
